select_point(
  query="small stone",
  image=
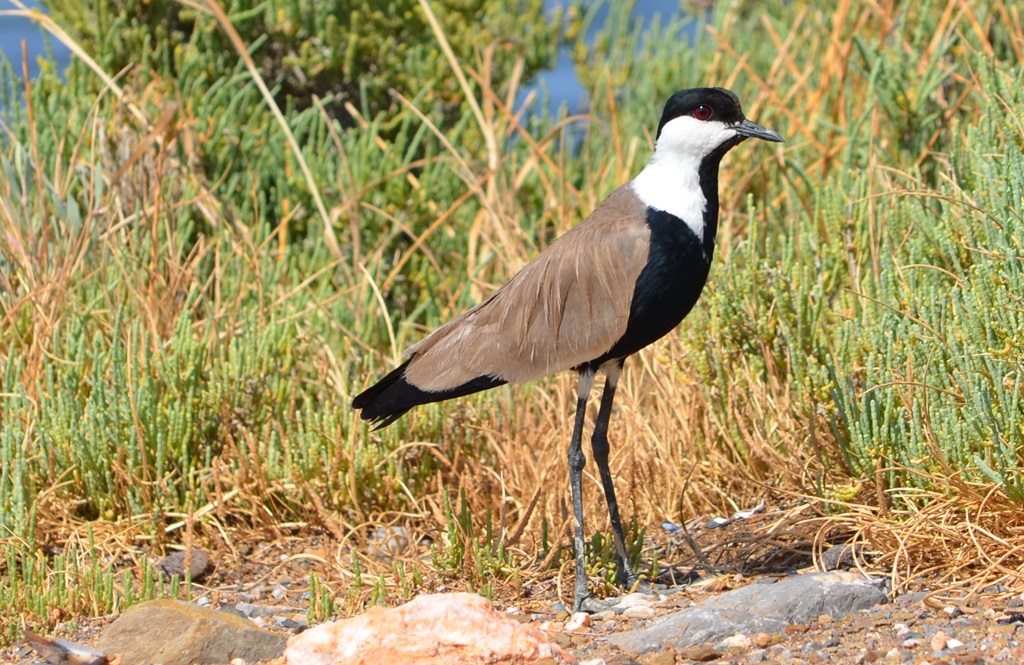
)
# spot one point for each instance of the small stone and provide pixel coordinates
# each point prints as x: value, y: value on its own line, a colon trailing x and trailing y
x: 577, y: 621
x: 841, y: 557
x: 388, y: 542
x: 593, y: 661
x: 199, y: 564
x: 911, y: 643
x: 757, y: 656
x: 639, y: 612
x: 764, y: 640
x: 901, y: 629
x: 633, y: 600
x: 795, y: 629
x: 953, y: 643
x: 604, y: 615
x: 892, y: 654
x: 952, y: 611
x: 289, y: 623
x: 661, y: 658
x: 866, y: 656
x: 63, y: 652
x: 701, y: 653
x: 938, y: 641
x: 237, y: 661
x: 737, y: 641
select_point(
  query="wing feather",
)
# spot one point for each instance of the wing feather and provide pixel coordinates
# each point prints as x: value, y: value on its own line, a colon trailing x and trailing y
x: 566, y: 307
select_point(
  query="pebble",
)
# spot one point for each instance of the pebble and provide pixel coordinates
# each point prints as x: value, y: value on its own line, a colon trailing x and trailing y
x: 633, y: 600
x: 577, y: 621
x: 639, y: 612
x: 911, y: 643
x: 737, y: 641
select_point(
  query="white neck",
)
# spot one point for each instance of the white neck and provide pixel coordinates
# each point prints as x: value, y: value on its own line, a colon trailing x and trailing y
x: 671, y: 181
x: 671, y: 184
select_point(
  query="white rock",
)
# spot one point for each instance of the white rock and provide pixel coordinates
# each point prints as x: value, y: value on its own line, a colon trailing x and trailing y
x: 633, y: 600
x: 639, y: 612
x: 437, y: 629
x: 737, y: 641
x: 577, y: 621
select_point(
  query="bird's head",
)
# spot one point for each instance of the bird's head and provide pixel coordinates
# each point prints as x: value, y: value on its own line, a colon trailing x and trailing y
x: 701, y: 121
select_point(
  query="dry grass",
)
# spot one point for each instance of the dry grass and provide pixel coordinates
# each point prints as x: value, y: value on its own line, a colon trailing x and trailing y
x: 700, y: 427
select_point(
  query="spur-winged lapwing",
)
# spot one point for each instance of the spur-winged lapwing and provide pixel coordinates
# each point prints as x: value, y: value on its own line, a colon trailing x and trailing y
x: 621, y: 279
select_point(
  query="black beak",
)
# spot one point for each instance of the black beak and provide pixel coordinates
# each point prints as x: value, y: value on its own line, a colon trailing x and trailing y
x: 756, y: 131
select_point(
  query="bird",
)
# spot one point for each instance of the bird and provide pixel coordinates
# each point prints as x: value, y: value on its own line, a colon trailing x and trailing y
x: 623, y: 278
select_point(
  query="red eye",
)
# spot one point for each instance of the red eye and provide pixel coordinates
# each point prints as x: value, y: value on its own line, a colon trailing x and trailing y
x: 702, y: 112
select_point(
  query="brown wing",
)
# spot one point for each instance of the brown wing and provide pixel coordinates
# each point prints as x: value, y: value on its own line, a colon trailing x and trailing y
x: 566, y: 307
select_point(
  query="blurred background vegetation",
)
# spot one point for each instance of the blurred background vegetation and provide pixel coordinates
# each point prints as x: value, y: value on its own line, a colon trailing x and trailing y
x: 196, y: 276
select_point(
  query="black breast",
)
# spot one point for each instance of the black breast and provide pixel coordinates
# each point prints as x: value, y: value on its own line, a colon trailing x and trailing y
x: 668, y: 286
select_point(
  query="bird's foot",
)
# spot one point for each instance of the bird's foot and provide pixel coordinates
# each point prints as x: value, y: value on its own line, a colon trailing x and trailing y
x: 592, y: 605
x: 587, y: 603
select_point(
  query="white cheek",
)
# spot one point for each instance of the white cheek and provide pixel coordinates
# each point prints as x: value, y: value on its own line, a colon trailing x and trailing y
x: 671, y: 181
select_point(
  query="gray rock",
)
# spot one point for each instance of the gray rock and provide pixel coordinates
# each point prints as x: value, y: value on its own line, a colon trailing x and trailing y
x: 170, y: 632
x: 757, y: 608
x: 199, y: 564
x: 843, y: 557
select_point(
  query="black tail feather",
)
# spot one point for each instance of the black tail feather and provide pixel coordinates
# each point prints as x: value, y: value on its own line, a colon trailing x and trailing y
x: 390, y: 398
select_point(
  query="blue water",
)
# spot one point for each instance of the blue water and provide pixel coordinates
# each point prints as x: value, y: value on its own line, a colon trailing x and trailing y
x: 560, y: 83
x: 14, y: 30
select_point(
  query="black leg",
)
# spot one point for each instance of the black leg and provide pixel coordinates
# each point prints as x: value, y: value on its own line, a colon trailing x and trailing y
x: 576, y: 462
x: 599, y: 442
